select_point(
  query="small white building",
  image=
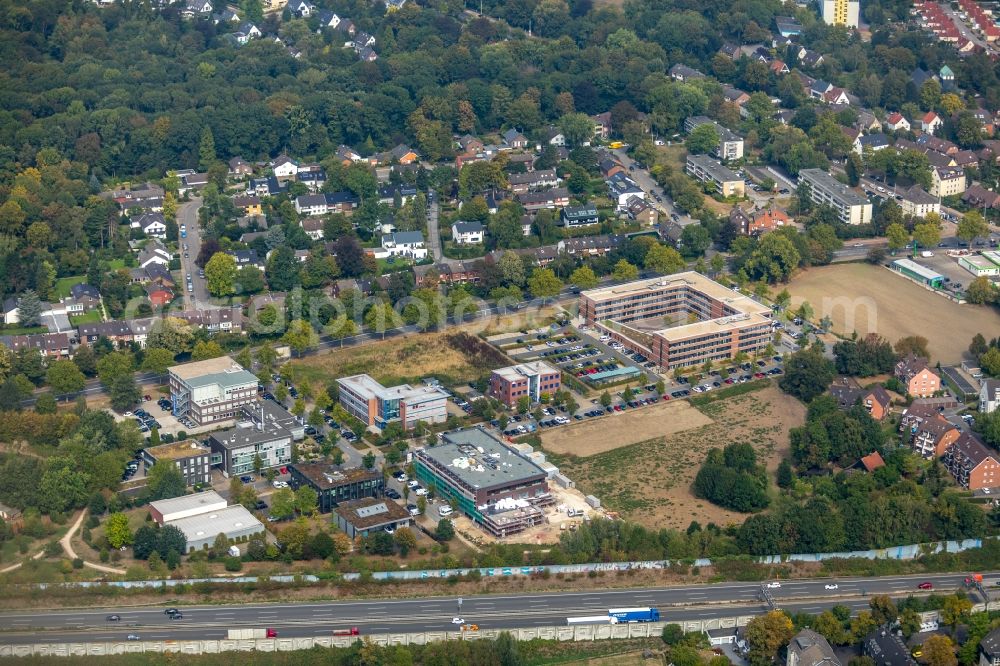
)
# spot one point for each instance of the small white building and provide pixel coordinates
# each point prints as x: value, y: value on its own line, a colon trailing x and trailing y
x: 164, y: 511
x: 409, y: 244
x: 989, y: 396
x: 285, y: 167
x: 468, y: 233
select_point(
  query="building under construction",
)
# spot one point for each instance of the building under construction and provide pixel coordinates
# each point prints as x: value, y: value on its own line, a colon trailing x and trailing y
x: 486, y: 480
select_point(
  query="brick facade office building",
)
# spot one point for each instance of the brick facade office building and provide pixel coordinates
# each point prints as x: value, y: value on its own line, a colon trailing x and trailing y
x: 711, y: 322
x: 509, y: 384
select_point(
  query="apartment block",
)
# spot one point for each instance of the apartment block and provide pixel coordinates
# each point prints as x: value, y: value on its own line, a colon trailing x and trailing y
x: 841, y: 12
x: 510, y: 384
x: 707, y: 170
x: 377, y: 405
x: 730, y: 143
x: 851, y: 207
x: 972, y: 464
x: 211, y: 391
x: 710, y: 322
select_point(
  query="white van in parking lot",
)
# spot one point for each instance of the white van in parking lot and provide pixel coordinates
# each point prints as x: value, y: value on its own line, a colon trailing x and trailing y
x: 445, y: 510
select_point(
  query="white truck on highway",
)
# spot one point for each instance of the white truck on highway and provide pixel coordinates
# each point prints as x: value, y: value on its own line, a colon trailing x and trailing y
x: 251, y: 634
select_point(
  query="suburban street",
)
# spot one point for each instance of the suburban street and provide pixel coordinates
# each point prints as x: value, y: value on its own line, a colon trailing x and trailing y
x: 187, y: 215
x: 436, y: 613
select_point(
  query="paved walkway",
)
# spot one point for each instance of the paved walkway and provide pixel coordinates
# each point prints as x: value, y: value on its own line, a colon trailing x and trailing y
x: 67, y: 545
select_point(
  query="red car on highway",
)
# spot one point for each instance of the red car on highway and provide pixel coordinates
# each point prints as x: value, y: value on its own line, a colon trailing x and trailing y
x: 926, y: 585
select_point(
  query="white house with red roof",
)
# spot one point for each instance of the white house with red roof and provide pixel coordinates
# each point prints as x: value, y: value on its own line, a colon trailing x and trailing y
x: 897, y: 122
x: 931, y: 122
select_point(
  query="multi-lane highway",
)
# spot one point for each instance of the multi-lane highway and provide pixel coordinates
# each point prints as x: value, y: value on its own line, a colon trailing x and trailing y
x: 436, y: 613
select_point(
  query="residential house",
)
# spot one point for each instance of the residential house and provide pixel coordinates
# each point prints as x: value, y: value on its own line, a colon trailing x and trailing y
x: 248, y: 205
x: 514, y: 139
x: 885, y: 648
x: 931, y: 122
x: 158, y: 295
x: 387, y: 194
x: 246, y: 258
x: 201, y: 8
x: 920, y: 381
x: 867, y: 122
x: 872, y: 142
x: 403, y: 154
x: 621, y: 187
x: 580, y: 216
x: 322, y: 204
x: 265, y: 187
x: 301, y: 8
x: 808, y: 648
x: 527, y: 160
x: 314, y: 179
x: 684, y: 73
x: 533, y: 180
x: 602, y: 125
x: 836, y: 96
x: 598, y: 246
x: 641, y: 211
x: 978, y: 196
x: 192, y: 182
x: 758, y: 221
x: 947, y: 181
x: 989, y: 649
x: 136, y: 207
x: 284, y: 167
x: 973, y: 465
x: 214, y: 320
x: 935, y: 143
x: 810, y: 59
x: 788, y: 26
x: 87, y: 296
x: 872, y: 461
x: 362, y: 40
x: 239, y: 168
x: 49, y: 345
x: 367, y: 54
x: 553, y: 198
x: 328, y: 19
x: 989, y: 396
x: 121, y: 332
x: 918, y: 203
x: 730, y: 50
x: 153, y: 225
x: 313, y: 226
x: 408, y: 244
x: 468, y: 233
x: 610, y: 167
x: 453, y: 272
x: 154, y: 253
x: 897, y: 122
x: 778, y: 67
x: 154, y: 272
x: 554, y: 137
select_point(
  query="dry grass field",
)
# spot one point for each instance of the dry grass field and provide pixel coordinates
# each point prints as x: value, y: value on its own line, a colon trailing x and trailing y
x: 402, y: 359
x: 866, y: 298
x: 588, y: 438
x: 649, y: 482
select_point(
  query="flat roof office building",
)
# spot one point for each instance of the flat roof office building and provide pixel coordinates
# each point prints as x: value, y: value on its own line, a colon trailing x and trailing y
x: 825, y: 190
x: 192, y: 458
x: 211, y: 391
x: 335, y: 486
x: 510, y: 384
x: 486, y: 480
x: 201, y: 529
x: 238, y: 448
x: 710, y: 322
x: 377, y: 405
x: 175, y: 508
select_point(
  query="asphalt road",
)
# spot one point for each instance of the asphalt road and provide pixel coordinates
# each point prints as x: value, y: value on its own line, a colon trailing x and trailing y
x: 187, y: 214
x: 435, y: 614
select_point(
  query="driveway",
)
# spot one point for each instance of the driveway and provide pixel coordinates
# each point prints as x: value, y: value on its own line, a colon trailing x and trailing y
x: 644, y: 180
x: 433, y: 210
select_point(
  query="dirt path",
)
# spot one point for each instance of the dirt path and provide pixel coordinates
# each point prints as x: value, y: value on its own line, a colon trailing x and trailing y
x: 67, y: 545
x: 36, y: 556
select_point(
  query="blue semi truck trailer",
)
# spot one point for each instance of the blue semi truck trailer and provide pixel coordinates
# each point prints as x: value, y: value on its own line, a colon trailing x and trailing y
x: 621, y: 615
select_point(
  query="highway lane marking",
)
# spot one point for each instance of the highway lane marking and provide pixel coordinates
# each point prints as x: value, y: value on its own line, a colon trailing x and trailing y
x: 557, y: 598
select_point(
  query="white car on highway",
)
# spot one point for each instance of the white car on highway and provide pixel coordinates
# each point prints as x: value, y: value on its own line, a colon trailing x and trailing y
x: 832, y: 586
x: 773, y: 584
x: 457, y: 620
